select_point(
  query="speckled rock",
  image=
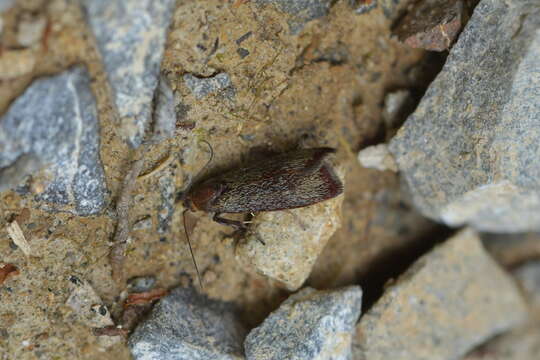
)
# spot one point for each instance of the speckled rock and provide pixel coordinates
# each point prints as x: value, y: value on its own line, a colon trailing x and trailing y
x: 131, y: 37
x: 60, y: 132
x: 520, y: 344
x: 310, y: 324
x: 202, y: 87
x: 187, y: 326
x: 293, y: 239
x: 449, y: 301
x: 477, y: 163
x: 301, y: 11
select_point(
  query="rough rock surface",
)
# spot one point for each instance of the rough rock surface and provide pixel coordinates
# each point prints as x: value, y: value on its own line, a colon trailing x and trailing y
x: 293, y: 239
x: 310, y: 324
x: 60, y: 131
x: 301, y: 11
x: 449, y: 301
x: 131, y: 37
x: 186, y: 325
x: 432, y: 24
x: 458, y: 151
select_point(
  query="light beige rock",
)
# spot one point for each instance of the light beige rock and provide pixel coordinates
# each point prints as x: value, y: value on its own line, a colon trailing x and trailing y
x: 449, y: 301
x: 377, y: 157
x: 293, y: 240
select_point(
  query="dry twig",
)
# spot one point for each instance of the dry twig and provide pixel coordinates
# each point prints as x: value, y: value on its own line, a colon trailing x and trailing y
x: 16, y: 234
x: 123, y: 204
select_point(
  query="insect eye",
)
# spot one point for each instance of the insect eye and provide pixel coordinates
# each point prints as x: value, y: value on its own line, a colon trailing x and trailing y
x: 204, y: 195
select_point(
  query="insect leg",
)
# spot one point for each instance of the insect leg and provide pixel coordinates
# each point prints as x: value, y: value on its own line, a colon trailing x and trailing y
x: 233, y: 223
x: 239, y: 225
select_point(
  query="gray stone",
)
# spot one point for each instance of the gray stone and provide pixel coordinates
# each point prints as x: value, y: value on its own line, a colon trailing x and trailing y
x: 469, y: 152
x: 55, y: 122
x: 131, y: 37
x: 310, y: 324
x: 141, y: 283
x: 187, y: 326
x: 164, y: 111
x: 449, y: 301
x: 301, y: 11
x: 202, y: 87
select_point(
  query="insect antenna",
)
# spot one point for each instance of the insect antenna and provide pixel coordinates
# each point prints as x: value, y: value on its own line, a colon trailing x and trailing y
x: 182, y: 197
x: 207, y: 163
x: 191, y: 249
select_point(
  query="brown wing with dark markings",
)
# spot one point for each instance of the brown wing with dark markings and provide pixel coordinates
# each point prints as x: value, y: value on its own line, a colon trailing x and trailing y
x: 287, y: 181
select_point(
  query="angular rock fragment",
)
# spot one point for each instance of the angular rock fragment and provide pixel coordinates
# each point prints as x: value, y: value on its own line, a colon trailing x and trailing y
x: 468, y: 154
x: 293, y: 239
x: 377, y: 157
x: 310, y: 324
x: 301, y: 11
x: 54, y: 124
x: 186, y: 325
x: 432, y: 24
x: 131, y: 37
x: 449, y: 301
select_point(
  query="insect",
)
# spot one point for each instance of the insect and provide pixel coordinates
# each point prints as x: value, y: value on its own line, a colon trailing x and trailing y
x: 289, y: 180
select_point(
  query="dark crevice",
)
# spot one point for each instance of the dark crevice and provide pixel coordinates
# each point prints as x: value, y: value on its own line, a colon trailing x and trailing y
x: 396, y: 262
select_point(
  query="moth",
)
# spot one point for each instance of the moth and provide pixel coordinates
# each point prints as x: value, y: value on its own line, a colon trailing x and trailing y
x: 289, y: 180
